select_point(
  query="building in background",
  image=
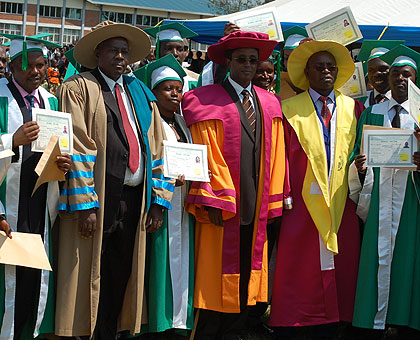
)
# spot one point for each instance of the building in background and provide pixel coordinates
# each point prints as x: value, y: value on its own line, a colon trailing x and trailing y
x: 74, y: 18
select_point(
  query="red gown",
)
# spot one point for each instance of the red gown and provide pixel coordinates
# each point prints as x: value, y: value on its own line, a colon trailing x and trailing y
x: 303, y: 294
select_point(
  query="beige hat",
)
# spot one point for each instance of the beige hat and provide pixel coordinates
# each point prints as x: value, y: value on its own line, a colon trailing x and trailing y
x: 138, y: 42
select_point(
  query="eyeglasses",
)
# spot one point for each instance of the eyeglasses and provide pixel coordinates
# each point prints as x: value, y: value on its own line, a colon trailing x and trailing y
x: 243, y: 60
x: 321, y: 68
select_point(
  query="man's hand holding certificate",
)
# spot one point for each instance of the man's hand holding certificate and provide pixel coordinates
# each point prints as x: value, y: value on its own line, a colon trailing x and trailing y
x: 389, y: 148
x: 185, y: 159
x: 53, y: 123
x: 414, y: 101
x: 339, y: 26
x: 264, y: 21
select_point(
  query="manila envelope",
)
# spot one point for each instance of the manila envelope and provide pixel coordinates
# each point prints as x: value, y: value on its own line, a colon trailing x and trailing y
x: 23, y: 249
x: 46, y: 168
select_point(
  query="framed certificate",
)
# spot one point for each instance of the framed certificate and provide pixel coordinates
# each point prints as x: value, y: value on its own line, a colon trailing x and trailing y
x: 414, y: 101
x: 53, y: 123
x: 389, y: 148
x: 185, y: 159
x: 355, y: 87
x: 339, y: 26
x: 263, y: 21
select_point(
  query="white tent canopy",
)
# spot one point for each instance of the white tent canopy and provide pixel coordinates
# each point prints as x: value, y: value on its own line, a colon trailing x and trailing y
x: 366, y: 12
x: 372, y: 16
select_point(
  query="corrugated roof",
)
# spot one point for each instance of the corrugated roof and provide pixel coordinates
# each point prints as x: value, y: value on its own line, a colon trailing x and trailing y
x: 185, y: 6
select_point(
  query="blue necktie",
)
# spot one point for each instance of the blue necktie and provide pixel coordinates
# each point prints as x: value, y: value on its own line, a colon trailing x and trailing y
x: 31, y: 99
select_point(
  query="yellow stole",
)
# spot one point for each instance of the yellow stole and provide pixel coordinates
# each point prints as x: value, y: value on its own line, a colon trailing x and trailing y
x: 326, y: 209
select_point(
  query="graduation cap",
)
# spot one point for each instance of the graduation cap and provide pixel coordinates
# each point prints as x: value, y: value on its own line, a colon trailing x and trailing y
x: 169, y: 32
x: 21, y: 45
x: 165, y: 68
x: 70, y: 56
x: 74, y: 67
x: 293, y: 36
x: 402, y: 55
x: 375, y: 48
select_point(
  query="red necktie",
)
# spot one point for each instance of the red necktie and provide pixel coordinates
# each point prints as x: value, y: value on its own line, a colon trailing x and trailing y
x: 325, y: 112
x: 133, y: 161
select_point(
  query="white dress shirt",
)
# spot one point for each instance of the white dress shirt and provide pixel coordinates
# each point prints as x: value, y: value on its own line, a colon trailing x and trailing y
x: 367, y: 102
x: 238, y: 88
x: 130, y: 179
x: 407, y: 122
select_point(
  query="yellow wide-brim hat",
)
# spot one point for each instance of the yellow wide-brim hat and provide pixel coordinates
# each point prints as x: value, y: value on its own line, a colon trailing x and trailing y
x: 301, y: 54
x: 138, y: 42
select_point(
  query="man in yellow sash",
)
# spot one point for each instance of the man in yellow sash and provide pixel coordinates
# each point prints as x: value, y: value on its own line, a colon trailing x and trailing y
x: 319, y: 241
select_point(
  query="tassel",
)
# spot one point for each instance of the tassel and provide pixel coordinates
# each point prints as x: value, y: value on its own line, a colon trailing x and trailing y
x: 24, y: 56
x: 383, y: 32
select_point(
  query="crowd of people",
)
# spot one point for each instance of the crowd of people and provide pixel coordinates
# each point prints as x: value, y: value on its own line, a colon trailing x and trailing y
x: 292, y: 224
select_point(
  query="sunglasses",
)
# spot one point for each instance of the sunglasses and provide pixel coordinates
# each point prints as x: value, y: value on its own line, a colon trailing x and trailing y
x: 243, y: 60
x: 321, y: 68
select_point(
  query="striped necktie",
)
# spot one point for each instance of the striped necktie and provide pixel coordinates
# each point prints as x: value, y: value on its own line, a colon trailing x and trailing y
x: 380, y: 98
x: 249, y: 110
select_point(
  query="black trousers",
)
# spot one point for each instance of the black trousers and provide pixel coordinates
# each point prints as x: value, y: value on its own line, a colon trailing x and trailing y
x: 116, y: 262
x: 31, y: 219
x: 257, y: 311
x: 216, y: 325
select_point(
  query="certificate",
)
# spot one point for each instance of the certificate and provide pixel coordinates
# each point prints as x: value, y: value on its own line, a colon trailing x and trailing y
x: 414, y: 101
x: 389, y: 148
x: 53, y: 123
x: 263, y: 21
x: 339, y: 26
x: 185, y: 159
x: 355, y: 87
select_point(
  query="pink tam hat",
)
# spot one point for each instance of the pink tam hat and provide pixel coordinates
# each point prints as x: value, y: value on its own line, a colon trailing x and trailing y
x: 240, y: 39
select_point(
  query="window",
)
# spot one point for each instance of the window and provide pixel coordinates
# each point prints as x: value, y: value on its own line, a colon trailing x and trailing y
x: 10, y: 29
x: 195, y: 46
x: 139, y: 20
x: 154, y: 21
x: 126, y: 18
x: 55, y: 31
x: 50, y: 11
x: 56, y: 12
x: 70, y: 36
x: 73, y: 13
x: 146, y: 20
x: 11, y: 8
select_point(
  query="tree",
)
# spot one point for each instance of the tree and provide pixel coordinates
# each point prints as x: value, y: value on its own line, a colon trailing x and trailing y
x: 231, y: 6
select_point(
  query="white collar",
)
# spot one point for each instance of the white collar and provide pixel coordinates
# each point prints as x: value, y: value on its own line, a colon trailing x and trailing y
x: 238, y: 88
x: 111, y: 83
x: 393, y: 102
x: 387, y: 95
x: 315, y: 95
